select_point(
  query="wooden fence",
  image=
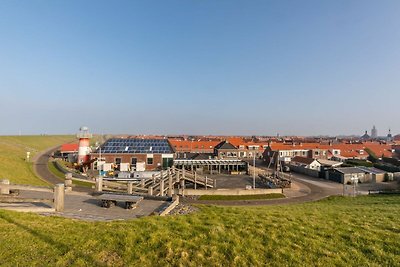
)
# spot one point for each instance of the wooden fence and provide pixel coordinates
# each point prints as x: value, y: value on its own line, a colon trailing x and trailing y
x: 58, y: 200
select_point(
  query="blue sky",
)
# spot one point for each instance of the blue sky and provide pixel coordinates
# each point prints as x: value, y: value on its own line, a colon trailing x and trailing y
x: 200, y: 67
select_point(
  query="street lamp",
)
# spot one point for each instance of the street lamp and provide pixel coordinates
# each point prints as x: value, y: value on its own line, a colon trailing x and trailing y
x: 254, y: 170
x: 355, y: 182
x: 99, y: 158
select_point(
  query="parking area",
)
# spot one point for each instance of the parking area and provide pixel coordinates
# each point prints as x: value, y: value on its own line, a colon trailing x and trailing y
x: 85, y: 207
x: 235, y: 181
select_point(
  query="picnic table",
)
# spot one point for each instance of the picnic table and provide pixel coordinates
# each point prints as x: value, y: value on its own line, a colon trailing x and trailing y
x: 131, y: 201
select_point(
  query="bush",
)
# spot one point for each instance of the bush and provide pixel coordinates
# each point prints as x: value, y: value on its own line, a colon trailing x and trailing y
x: 357, y: 162
x: 391, y: 161
x: 372, y: 156
x: 387, y: 167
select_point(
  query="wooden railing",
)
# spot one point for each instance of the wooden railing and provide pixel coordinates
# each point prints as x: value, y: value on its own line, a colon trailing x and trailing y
x: 160, y: 184
x: 58, y: 191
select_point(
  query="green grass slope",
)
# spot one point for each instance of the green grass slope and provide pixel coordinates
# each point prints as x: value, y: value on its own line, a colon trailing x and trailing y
x: 13, y: 153
x: 364, y: 231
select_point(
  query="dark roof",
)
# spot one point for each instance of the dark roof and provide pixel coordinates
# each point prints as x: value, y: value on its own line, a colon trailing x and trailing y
x: 195, y: 156
x: 225, y: 145
x: 303, y: 160
x: 365, y: 136
x: 371, y: 170
x: 349, y: 170
x: 204, y: 156
x: 136, y: 146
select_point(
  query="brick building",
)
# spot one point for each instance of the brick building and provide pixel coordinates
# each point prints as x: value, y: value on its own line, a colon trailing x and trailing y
x: 155, y: 154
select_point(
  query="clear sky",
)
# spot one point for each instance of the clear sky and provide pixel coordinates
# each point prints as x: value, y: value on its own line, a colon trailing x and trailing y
x: 200, y: 67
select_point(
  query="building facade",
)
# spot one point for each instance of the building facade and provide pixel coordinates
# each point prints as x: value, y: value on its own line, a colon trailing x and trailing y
x: 153, y: 154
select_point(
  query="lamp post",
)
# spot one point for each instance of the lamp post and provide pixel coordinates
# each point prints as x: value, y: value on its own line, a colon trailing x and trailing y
x: 99, y: 158
x: 254, y: 170
x: 355, y: 182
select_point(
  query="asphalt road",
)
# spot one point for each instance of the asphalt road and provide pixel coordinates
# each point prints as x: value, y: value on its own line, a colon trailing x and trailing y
x: 41, y: 168
x: 317, y: 189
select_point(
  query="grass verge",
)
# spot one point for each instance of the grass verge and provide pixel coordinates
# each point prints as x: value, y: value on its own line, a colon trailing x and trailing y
x: 242, y: 197
x: 13, y: 156
x: 54, y: 170
x: 337, y: 231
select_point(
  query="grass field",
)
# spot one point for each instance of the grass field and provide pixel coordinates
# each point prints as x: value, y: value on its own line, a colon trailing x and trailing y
x: 13, y: 153
x: 362, y: 231
x: 53, y: 169
x: 242, y: 197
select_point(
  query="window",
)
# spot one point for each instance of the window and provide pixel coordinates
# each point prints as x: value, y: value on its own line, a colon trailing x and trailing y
x: 118, y: 161
x: 149, y: 161
x: 133, y: 161
x: 167, y: 162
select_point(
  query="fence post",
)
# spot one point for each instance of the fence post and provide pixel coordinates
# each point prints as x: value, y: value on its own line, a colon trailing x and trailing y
x: 177, y: 174
x: 68, y: 182
x: 99, y: 184
x: 150, y: 190
x: 59, y: 195
x: 195, y: 180
x: 205, y: 183
x: 162, y: 187
x: 170, y: 184
x: 4, y: 187
x: 142, y: 182
x: 130, y: 188
x: 215, y: 183
x: 183, y: 186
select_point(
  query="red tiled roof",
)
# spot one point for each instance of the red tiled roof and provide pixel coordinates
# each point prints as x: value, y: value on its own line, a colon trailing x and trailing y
x: 69, y: 148
x: 346, y: 150
x: 180, y: 145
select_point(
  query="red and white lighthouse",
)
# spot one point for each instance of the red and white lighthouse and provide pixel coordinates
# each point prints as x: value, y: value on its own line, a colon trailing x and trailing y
x: 84, y: 144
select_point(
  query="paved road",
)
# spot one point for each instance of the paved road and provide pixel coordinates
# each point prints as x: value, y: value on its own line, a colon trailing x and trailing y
x: 41, y: 168
x: 310, y: 189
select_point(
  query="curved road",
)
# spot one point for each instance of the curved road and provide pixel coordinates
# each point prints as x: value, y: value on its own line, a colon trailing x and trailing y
x: 41, y: 169
x: 317, y: 188
x: 317, y: 191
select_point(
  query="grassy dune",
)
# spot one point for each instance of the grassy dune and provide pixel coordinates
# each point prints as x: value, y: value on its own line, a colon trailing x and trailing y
x: 13, y: 153
x: 338, y: 231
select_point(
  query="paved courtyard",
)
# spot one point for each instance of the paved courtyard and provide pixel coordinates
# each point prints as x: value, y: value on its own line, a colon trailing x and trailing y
x: 85, y: 207
x: 235, y: 181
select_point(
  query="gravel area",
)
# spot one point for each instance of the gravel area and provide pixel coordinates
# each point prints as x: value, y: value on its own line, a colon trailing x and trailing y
x: 183, y: 209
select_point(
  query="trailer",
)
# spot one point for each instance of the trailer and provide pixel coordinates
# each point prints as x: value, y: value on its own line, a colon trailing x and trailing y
x: 108, y: 200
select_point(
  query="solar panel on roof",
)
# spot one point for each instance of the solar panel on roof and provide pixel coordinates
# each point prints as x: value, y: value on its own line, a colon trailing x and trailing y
x: 136, y: 146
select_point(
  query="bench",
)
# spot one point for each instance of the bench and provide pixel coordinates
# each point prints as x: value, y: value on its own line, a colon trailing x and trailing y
x: 131, y: 202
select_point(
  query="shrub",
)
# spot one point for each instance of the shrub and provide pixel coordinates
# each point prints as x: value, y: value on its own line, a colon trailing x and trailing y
x: 387, y: 167
x: 372, y: 156
x: 392, y: 161
x: 357, y: 162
